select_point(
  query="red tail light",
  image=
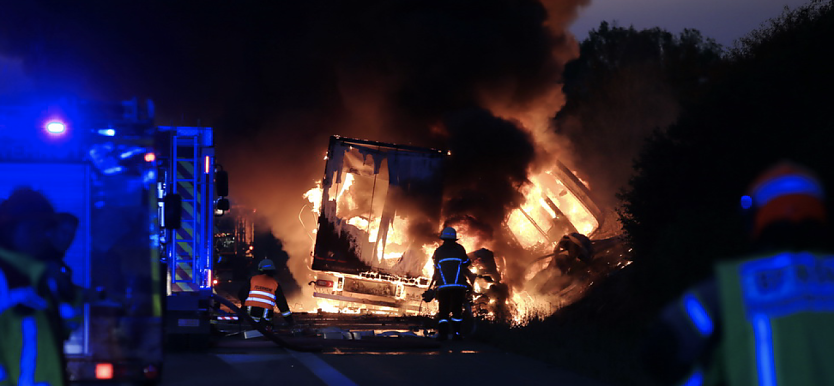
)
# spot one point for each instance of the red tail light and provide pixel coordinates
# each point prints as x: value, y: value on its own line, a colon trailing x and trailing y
x: 324, y: 283
x: 104, y: 371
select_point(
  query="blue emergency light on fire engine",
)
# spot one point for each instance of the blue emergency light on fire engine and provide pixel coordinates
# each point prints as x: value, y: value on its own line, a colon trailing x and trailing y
x: 107, y: 132
x: 55, y: 127
x: 746, y: 202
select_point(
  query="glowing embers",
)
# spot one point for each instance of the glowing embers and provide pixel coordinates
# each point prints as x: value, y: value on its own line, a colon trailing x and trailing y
x: 550, y: 210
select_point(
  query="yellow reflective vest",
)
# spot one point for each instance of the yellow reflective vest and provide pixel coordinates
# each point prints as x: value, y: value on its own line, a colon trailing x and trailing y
x: 778, y: 320
x: 31, y: 336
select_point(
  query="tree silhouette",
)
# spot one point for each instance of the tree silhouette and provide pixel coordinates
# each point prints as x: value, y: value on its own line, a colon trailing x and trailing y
x: 681, y: 210
x: 625, y: 84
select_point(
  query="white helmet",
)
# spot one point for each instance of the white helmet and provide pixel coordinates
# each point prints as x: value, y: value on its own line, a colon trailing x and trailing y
x: 448, y: 233
x: 266, y: 265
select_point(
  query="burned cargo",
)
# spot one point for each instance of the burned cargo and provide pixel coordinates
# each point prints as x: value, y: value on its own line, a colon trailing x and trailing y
x: 377, y: 201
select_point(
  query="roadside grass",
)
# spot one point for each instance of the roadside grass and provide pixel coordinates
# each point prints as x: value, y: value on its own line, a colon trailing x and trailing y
x: 598, y: 336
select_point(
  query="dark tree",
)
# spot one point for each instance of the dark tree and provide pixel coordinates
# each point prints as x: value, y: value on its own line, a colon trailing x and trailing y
x: 625, y: 84
x: 681, y: 210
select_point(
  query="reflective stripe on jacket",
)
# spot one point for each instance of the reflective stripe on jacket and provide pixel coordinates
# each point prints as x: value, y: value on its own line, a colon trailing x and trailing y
x: 30, y: 347
x: 778, y: 312
x: 262, y: 291
x: 451, y: 266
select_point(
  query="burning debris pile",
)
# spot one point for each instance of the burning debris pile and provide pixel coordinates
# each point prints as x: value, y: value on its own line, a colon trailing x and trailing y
x: 378, y: 205
x: 481, y: 81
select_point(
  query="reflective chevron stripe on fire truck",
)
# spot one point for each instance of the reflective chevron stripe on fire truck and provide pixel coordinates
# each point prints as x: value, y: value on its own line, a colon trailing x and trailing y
x: 184, y: 280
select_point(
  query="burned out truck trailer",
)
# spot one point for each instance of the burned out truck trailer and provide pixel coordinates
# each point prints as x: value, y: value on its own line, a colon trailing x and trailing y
x: 379, y: 202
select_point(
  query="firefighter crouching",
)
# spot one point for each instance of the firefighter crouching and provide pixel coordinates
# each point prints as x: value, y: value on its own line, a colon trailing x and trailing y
x: 39, y: 305
x: 452, y: 275
x: 263, y: 293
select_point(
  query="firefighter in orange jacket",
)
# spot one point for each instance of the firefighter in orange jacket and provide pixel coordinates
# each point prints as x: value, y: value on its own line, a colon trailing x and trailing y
x: 39, y: 305
x: 263, y: 293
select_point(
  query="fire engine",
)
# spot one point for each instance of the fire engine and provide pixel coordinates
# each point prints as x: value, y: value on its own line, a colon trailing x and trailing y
x: 188, y: 199
x: 145, y: 197
x: 96, y: 161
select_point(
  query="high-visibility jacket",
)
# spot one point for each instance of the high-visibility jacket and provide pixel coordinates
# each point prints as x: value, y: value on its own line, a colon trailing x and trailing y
x: 262, y: 291
x: 772, y: 322
x: 451, y: 266
x: 265, y: 292
x: 778, y: 319
x: 31, y: 329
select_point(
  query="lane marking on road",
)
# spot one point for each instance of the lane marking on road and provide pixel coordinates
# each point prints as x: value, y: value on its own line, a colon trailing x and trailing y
x: 321, y: 369
x: 249, y: 358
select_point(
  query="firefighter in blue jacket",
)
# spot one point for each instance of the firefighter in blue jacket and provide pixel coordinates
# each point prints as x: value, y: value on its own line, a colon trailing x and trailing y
x: 452, y: 275
x: 39, y: 305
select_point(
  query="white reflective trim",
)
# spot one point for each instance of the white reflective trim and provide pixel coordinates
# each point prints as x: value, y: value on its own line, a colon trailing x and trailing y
x: 4, y: 293
x: 288, y: 313
x: 3, y: 373
x: 765, y: 366
x: 257, y: 300
x: 452, y: 285
x: 267, y: 294
x: 450, y: 258
x: 457, y: 320
x: 29, y: 353
x: 442, y: 321
x: 441, y: 275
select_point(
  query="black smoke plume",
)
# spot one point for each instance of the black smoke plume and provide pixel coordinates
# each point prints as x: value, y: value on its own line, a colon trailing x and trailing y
x: 489, y: 163
x: 276, y: 79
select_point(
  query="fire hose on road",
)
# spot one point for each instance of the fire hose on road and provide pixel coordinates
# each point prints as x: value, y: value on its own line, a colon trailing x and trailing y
x: 262, y: 328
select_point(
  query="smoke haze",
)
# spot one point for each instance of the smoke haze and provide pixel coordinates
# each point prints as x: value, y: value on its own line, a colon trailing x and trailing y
x: 481, y: 78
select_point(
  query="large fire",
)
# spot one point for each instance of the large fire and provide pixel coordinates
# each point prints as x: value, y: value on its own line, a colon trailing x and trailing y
x: 550, y: 211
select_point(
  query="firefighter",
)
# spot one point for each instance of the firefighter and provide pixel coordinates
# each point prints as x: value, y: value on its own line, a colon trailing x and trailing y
x: 39, y: 305
x: 765, y: 318
x: 452, y: 276
x: 262, y: 293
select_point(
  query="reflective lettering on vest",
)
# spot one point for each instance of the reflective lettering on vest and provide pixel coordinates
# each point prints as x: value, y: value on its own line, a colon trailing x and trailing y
x: 262, y: 292
x: 788, y: 283
x: 778, y: 287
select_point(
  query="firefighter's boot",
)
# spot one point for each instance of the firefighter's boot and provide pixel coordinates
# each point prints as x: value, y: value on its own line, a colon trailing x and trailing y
x: 443, y: 330
x: 456, y: 327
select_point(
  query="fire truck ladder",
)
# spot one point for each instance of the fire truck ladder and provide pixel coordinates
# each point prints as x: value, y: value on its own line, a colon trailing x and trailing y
x: 186, y: 158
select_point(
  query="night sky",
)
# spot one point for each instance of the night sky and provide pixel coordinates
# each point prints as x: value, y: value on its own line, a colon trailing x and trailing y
x: 721, y: 20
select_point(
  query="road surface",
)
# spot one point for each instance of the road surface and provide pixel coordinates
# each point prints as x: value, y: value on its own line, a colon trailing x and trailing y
x: 237, y: 362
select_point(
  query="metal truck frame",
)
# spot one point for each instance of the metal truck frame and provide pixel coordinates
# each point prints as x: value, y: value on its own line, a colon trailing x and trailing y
x: 366, y: 189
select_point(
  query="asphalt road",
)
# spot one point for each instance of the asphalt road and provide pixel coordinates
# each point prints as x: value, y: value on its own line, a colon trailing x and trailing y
x: 238, y: 362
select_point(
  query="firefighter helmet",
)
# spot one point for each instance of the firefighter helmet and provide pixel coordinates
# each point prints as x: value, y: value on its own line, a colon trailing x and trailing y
x: 786, y: 193
x: 448, y: 233
x: 266, y: 265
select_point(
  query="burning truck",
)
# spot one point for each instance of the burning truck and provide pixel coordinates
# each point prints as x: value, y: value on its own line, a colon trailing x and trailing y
x: 375, y: 197
x: 379, y: 210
